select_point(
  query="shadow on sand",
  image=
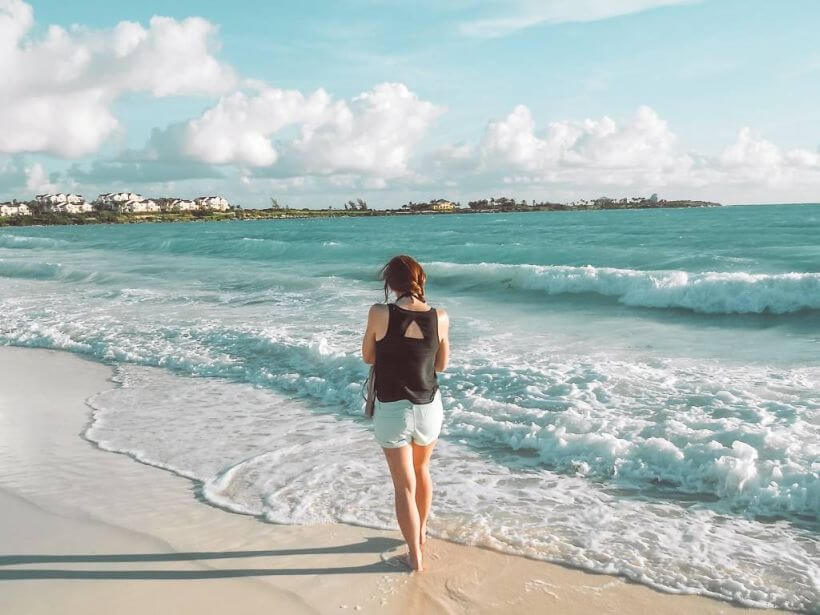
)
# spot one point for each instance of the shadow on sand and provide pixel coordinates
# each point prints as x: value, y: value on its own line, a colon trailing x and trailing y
x: 376, y: 545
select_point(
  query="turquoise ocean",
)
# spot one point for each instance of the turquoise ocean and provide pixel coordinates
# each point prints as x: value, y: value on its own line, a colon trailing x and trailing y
x: 633, y: 392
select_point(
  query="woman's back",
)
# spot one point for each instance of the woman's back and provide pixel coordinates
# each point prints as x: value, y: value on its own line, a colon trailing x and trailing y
x: 406, y: 355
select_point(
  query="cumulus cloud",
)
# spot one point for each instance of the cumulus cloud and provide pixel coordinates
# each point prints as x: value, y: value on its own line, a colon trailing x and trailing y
x: 58, y: 89
x: 753, y: 159
x: 506, y: 17
x: 644, y: 141
x: 239, y: 127
x: 641, y: 149
x: 37, y: 180
x: 373, y: 134
x: 751, y: 152
x: 640, y: 153
x: 22, y: 178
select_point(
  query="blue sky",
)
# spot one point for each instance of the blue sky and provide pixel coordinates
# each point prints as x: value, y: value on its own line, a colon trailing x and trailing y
x: 706, y: 70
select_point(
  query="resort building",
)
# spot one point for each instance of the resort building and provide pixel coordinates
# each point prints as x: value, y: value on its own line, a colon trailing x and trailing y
x: 140, y: 206
x: 216, y: 203
x: 442, y: 205
x: 127, y: 202
x: 58, y: 199
x: 14, y: 209
x: 76, y: 208
x: 62, y: 203
x: 108, y: 199
x: 131, y: 202
x: 183, y: 205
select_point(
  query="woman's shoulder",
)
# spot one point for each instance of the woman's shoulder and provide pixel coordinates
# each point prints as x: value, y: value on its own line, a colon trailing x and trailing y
x: 443, y: 316
x: 377, y: 310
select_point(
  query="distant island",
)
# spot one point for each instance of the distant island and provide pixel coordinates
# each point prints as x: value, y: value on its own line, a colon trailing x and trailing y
x: 130, y: 207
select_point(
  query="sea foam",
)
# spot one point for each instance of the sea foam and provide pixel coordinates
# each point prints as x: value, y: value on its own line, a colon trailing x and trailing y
x: 261, y: 453
x: 707, y: 292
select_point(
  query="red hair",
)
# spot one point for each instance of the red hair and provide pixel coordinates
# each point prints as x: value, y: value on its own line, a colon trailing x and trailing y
x: 404, y: 275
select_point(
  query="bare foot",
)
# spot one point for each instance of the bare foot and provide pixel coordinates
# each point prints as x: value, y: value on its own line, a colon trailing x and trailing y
x: 415, y: 563
x: 404, y: 560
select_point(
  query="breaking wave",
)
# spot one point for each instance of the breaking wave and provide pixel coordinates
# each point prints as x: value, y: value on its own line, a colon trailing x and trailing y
x: 709, y: 292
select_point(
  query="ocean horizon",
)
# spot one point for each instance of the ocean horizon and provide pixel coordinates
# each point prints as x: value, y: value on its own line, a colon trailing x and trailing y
x: 633, y: 392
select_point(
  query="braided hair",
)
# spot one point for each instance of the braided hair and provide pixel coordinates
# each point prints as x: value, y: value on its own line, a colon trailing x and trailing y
x: 403, y: 274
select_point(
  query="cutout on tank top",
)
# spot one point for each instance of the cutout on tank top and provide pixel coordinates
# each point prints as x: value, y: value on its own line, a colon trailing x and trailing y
x: 413, y: 331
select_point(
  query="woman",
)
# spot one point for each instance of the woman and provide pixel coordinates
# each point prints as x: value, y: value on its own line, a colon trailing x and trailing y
x: 408, y: 341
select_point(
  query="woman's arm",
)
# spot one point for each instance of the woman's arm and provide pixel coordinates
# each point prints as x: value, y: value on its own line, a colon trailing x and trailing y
x: 369, y: 341
x: 443, y: 354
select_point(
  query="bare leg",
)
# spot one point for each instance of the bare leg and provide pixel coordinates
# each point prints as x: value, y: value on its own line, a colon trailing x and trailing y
x: 400, y: 462
x: 424, y: 485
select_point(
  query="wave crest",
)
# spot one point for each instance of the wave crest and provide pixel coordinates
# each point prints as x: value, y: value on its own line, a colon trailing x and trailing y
x: 708, y: 292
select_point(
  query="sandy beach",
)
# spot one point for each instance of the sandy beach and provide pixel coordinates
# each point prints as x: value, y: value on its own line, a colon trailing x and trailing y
x: 84, y: 530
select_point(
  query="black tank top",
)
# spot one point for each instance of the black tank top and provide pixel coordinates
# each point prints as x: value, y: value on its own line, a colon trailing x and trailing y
x: 405, y: 366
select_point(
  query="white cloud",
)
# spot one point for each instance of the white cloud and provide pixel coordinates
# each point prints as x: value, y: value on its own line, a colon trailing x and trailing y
x: 289, y: 183
x: 640, y: 154
x: 58, y: 89
x: 238, y: 128
x: 752, y: 159
x: 337, y: 148
x: 22, y: 178
x: 37, y: 179
x: 374, y: 134
x: 509, y: 17
x: 643, y: 145
x: 751, y: 152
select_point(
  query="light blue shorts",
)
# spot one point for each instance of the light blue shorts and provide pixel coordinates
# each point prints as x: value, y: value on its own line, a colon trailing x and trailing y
x: 396, y: 423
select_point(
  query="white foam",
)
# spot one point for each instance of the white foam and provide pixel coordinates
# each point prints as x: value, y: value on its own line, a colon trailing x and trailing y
x: 7, y: 240
x: 708, y: 292
x: 746, y: 436
x: 264, y: 454
x: 639, y: 424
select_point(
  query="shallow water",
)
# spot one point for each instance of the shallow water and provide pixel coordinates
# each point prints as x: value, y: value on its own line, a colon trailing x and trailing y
x: 630, y: 391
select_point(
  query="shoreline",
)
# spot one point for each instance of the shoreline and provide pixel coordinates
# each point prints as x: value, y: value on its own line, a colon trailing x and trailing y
x: 75, y: 511
x: 91, y: 218
x: 316, y: 214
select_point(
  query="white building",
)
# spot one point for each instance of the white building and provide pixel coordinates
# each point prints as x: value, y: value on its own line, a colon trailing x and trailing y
x: 146, y: 205
x: 215, y: 203
x: 136, y: 207
x: 58, y: 199
x: 183, y: 205
x: 110, y: 198
x: 14, y: 209
x: 127, y: 202
x: 62, y: 203
x: 76, y: 208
